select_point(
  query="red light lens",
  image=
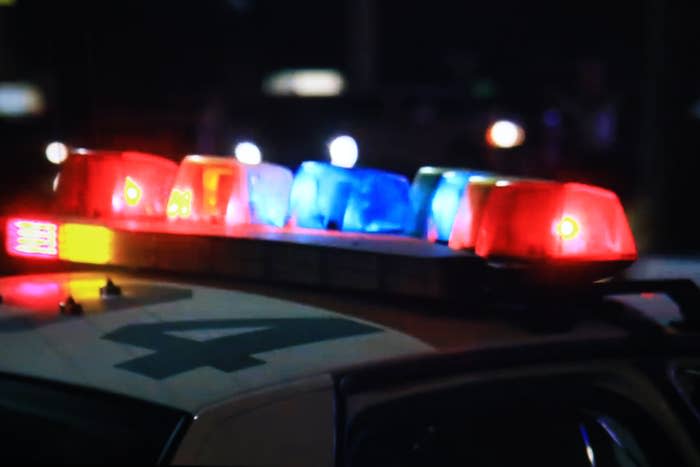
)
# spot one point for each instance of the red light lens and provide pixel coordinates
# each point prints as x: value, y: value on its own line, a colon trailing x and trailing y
x: 105, y: 184
x: 211, y: 189
x: 547, y: 220
x: 31, y: 238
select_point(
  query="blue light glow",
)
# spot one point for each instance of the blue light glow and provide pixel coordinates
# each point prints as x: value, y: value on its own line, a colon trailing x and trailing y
x: 358, y: 200
x: 445, y: 201
x: 422, y: 190
x: 269, y: 186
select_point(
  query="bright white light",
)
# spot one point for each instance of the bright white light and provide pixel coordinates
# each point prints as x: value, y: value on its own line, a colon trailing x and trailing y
x: 247, y: 153
x: 20, y: 99
x: 505, y: 134
x: 56, y: 152
x: 502, y: 183
x: 305, y: 83
x: 343, y: 151
x: 56, y: 179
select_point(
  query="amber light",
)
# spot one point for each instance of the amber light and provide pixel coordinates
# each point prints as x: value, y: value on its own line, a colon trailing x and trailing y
x: 84, y: 243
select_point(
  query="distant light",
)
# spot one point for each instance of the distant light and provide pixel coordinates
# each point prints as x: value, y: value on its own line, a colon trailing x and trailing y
x: 56, y: 152
x: 343, y: 151
x: 248, y: 153
x: 502, y: 183
x: 505, y: 134
x: 20, y: 100
x: 552, y: 118
x: 56, y: 179
x: 305, y: 83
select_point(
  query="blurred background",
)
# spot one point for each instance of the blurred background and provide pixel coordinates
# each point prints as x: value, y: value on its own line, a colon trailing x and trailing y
x: 606, y: 93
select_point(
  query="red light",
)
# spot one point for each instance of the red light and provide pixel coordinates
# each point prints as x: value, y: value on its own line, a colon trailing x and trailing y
x: 106, y: 184
x: 31, y: 238
x: 547, y: 220
x: 210, y: 189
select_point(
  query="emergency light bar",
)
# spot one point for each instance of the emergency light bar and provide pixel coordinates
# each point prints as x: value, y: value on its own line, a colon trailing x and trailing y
x: 108, y: 184
x: 226, y: 216
x: 352, y: 200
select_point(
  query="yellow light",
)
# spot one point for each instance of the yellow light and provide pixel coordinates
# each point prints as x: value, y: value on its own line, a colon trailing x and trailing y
x: 83, y: 243
x: 210, y: 184
x: 132, y: 192
x: 85, y: 289
x: 180, y: 203
x: 568, y: 228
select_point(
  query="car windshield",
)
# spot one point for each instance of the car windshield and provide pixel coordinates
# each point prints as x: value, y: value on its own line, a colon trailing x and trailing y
x: 535, y: 90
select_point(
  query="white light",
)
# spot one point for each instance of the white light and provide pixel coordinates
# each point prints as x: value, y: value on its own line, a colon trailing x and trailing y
x: 20, y: 99
x: 305, y: 83
x: 343, y: 151
x: 477, y: 178
x: 502, y: 183
x: 56, y: 179
x: 248, y: 153
x: 505, y: 134
x: 56, y: 152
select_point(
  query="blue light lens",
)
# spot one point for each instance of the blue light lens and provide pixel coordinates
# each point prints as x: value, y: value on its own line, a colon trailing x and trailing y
x: 445, y: 201
x: 422, y: 190
x: 269, y: 186
x: 358, y: 200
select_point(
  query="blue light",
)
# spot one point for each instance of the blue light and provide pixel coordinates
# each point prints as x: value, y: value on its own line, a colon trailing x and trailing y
x: 269, y: 186
x: 445, y: 201
x: 422, y: 190
x: 358, y: 200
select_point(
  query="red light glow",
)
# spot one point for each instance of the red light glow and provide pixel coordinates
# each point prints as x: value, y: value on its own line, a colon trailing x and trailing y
x: 110, y: 184
x: 210, y: 189
x: 31, y: 238
x: 536, y: 220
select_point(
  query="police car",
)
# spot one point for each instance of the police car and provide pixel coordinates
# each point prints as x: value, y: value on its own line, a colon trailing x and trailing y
x: 224, y: 313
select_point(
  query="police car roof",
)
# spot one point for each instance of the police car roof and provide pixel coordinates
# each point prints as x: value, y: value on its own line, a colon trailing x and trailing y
x: 190, y: 346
